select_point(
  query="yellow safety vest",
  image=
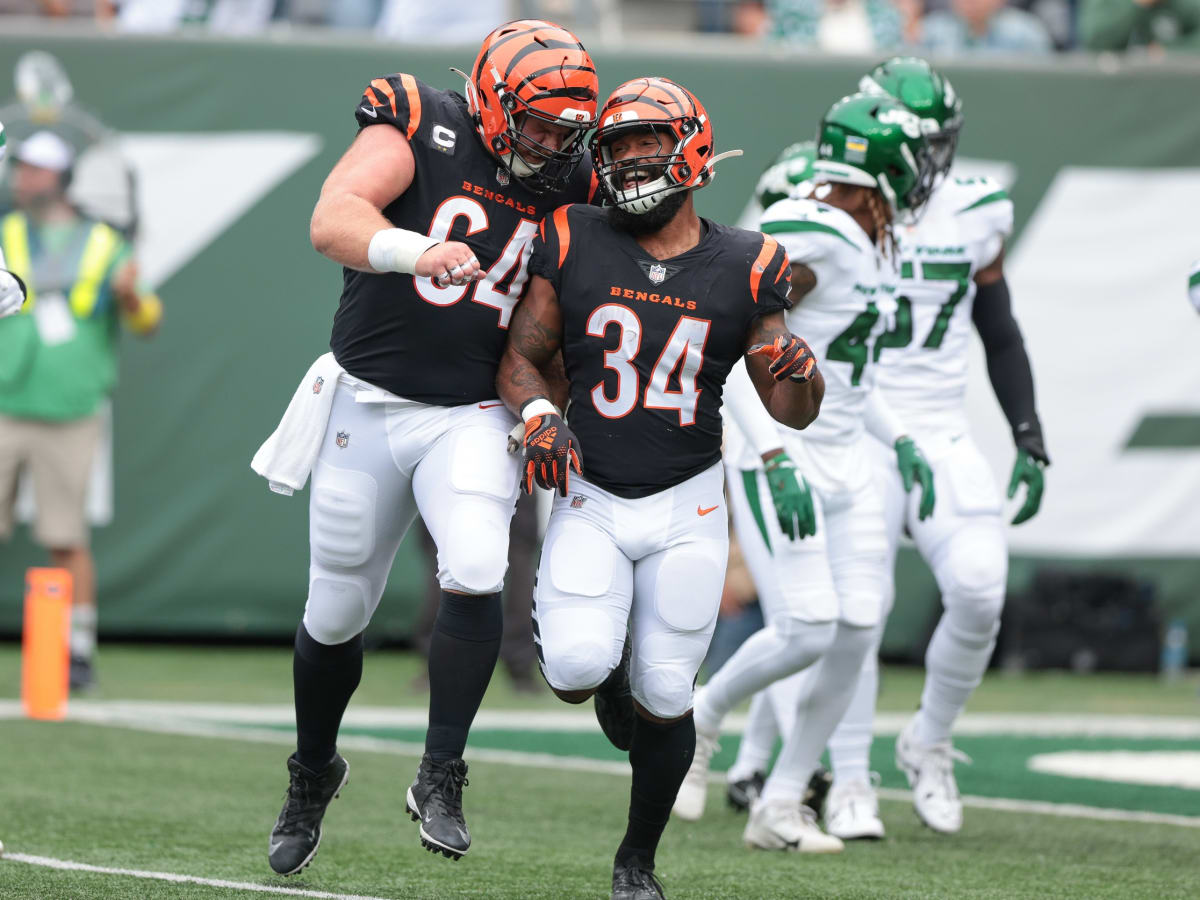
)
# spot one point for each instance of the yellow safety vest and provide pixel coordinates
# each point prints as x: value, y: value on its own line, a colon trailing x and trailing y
x: 101, y: 248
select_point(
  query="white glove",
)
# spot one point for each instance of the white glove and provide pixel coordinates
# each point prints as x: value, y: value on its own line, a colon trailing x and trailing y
x: 12, y: 294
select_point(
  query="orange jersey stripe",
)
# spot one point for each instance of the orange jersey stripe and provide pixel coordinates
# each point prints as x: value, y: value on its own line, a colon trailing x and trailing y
x: 383, y: 89
x: 414, y: 104
x: 564, y: 233
x: 760, y: 264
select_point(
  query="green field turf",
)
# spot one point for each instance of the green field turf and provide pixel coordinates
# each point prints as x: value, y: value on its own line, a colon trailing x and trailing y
x: 202, y: 806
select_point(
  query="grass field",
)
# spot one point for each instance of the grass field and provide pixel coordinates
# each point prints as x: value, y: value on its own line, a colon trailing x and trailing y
x: 117, y: 788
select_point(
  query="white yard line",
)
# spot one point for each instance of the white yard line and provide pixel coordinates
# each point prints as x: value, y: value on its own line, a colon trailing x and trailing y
x: 68, y: 865
x: 605, y: 767
x: 1037, y: 724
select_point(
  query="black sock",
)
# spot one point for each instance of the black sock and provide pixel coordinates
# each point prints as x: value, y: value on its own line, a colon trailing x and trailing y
x: 660, y: 756
x: 325, y: 676
x: 462, y: 654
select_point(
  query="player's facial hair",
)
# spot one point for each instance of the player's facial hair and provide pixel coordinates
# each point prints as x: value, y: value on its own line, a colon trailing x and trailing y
x: 647, y: 222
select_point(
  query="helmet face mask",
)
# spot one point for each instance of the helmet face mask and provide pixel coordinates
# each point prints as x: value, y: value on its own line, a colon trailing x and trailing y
x: 530, y: 71
x: 637, y: 183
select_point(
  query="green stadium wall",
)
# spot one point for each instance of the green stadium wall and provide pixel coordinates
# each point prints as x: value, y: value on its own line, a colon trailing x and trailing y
x: 199, y: 546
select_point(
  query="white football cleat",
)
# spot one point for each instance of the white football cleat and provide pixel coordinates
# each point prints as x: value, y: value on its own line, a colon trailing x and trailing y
x: 786, y: 825
x: 689, y: 802
x: 852, y: 811
x: 930, y: 772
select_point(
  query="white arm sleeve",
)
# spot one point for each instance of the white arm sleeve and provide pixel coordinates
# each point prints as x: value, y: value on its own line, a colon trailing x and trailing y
x: 747, y: 411
x: 880, y: 421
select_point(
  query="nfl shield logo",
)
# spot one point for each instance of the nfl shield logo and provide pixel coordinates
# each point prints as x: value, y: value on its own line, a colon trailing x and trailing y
x: 343, y: 439
x: 317, y: 384
x: 658, y: 274
x: 501, y: 176
x: 577, y: 501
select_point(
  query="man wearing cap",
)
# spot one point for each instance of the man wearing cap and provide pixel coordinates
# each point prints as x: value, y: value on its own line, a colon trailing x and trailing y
x: 58, y: 362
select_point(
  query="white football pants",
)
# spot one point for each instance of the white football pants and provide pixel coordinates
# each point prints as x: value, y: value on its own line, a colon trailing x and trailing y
x: 384, y: 459
x: 654, y: 566
x: 822, y: 601
x: 964, y: 544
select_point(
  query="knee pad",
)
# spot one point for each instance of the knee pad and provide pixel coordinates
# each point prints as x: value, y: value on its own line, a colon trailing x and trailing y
x: 341, y: 521
x: 473, y: 555
x: 338, y: 607
x: 665, y: 690
x: 973, y: 577
x: 577, y: 647
x: 687, y: 592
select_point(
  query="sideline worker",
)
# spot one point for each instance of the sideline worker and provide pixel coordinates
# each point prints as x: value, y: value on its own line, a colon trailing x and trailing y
x: 58, y: 362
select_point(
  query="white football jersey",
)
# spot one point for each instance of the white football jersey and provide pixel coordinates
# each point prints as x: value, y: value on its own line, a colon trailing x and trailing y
x: 841, y: 317
x: 923, y: 355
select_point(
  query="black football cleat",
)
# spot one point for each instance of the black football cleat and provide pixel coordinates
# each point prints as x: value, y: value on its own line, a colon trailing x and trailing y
x: 435, y: 800
x: 818, y: 790
x: 81, y: 675
x: 741, y: 794
x: 634, y: 880
x: 297, y: 832
x: 614, y: 704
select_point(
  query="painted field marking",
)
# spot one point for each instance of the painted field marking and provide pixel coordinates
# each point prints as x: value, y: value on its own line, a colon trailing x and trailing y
x: 98, y: 716
x: 68, y: 865
x: 1169, y: 768
x: 567, y: 720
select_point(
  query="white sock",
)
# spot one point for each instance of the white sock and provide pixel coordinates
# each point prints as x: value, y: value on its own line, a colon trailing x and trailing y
x: 850, y: 746
x: 758, y: 740
x: 955, y: 661
x: 823, y: 701
x: 83, y: 631
x: 768, y: 654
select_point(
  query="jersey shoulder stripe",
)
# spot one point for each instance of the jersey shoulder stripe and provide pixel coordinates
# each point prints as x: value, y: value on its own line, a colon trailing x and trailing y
x: 994, y: 197
x: 769, y: 248
x: 785, y: 226
x: 562, y: 227
x: 394, y: 100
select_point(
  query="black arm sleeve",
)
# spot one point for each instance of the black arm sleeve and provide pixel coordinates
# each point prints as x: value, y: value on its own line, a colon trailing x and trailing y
x: 1008, y: 366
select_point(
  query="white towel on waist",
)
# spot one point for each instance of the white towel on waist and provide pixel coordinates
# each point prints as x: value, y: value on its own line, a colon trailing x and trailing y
x: 286, y: 458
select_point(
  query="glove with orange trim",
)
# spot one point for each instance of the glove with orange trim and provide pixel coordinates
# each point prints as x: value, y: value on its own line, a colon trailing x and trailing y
x: 551, y: 449
x: 790, y: 358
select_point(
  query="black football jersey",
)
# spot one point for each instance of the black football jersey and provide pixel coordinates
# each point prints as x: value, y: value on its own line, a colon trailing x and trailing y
x: 648, y: 343
x: 442, y: 345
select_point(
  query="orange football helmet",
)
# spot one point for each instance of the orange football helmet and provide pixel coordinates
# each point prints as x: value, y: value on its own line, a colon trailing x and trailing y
x: 530, y: 68
x: 685, y: 160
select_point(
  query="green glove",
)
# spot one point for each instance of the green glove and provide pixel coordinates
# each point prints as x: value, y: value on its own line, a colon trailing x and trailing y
x: 1027, y: 470
x: 792, y: 498
x: 913, y: 468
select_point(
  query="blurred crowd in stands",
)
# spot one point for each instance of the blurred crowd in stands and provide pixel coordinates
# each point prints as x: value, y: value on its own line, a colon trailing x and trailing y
x: 947, y: 27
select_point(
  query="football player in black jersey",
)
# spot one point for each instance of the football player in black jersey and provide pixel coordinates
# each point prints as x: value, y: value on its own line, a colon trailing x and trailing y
x: 432, y: 212
x: 651, y: 307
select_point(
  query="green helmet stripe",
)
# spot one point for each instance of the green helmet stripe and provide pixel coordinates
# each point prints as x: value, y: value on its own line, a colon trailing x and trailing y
x: 791, y: 226
x: 986, y: 199
x: 1194, y: 279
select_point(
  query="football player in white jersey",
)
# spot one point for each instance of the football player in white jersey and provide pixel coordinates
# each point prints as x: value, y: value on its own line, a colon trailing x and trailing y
x: 822, y: 595
x: 12, y: 289
x: 952, y: 276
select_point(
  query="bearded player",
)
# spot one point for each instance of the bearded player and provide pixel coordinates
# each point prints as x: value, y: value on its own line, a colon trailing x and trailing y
x: 431, y: 212
x: 822, y: 594
x: 651, y: 307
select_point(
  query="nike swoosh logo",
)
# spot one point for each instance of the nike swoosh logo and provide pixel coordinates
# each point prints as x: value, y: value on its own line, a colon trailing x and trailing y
x: 490, y: 405
x: 275, y: 845
x: 370, y: 111
x: 704, y: 512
